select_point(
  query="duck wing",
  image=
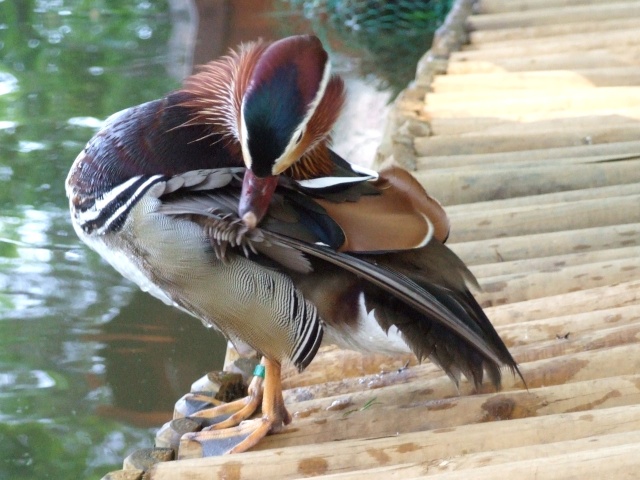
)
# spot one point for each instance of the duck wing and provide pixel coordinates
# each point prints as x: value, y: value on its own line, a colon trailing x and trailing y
x: 391, y: 260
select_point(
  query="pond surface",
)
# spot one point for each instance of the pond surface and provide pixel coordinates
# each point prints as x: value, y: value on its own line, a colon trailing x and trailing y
x: 89, y: 366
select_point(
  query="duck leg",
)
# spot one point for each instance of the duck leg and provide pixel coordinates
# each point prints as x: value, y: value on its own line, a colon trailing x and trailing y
x: 230, y: 414
x: 232, y: 434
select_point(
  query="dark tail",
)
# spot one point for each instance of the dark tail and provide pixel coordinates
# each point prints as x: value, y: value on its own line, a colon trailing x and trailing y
x: 444, y: 276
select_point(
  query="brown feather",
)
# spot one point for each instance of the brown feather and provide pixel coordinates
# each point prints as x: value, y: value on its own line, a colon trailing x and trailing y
x: 314, y: 164
x: 393, y: 220
x: 315, y: 161
x: 435, y: 312
x: 304, y: 53
x: 328, y: 109
x: 218, y: 89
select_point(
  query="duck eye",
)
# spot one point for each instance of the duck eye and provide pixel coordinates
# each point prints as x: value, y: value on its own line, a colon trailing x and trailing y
x: 299, y: 137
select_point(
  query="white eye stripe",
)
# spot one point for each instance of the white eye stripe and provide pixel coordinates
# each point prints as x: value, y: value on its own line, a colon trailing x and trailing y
x: 285, y: 160
x: 299, y: 132
x: 244, y: 138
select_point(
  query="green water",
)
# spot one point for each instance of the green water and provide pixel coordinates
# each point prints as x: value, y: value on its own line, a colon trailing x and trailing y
x: 89, y: 366
x: 81, y: 351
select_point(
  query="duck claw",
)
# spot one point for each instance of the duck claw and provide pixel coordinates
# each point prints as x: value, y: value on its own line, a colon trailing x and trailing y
x: 208, y: 443
x: 229, y: 430
x: 229, y: 414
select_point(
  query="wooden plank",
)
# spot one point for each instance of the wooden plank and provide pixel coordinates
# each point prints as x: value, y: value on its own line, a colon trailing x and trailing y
x: 517, y: 287
x: 552, y: 264
x: 613, y: 462
x: 549, y: 16
x: 530, y: 105
x: 334, y: 364
x: 598, y: 58
x: 535, y: 219
x: 521, y: 140
x: 600, y: 27
x: 503, y: 6
x: 576, y: 326
x: 608, y: 352
x: 607, y: 336
x: 430, y: 446
x: 478, y: 252
x: 571, y: 42
x: 518, y: 120
x: 554, y: 80
x: 599, y: 298
x: 450, y: 186
x: 386, y: 414
x: 575, y: 154
x: 565, y: 196
x: 620, y: 461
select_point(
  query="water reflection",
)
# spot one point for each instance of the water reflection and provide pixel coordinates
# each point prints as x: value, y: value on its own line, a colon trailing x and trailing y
x: 88, y: 364
x: 64, y: 408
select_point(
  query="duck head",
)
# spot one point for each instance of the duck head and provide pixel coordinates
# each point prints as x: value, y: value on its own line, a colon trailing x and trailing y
x: 287, y: 111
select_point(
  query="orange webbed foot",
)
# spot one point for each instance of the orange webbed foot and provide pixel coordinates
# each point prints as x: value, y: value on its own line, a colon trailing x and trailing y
x: 230, y: 431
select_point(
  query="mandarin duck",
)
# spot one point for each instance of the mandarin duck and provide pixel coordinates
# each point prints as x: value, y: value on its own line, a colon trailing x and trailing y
x: 224, y: 200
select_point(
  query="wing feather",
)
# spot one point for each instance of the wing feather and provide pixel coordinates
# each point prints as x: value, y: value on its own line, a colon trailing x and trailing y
x: 395, y: 283
x: 433, y: 307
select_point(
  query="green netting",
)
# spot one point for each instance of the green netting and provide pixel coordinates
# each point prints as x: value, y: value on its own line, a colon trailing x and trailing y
x: 389, y: 36
x: 376, y: 16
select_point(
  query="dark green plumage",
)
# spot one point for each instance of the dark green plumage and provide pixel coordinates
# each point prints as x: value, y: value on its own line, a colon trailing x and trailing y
x: 272, y: 111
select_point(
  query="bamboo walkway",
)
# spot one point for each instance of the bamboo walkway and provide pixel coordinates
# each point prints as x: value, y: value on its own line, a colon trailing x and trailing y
x: 524, y: 121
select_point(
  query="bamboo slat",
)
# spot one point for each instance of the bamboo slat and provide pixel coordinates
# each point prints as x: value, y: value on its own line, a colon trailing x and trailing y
x: 516, y: 287
x: 605, y: 338
x: 409, y: 407
x: 340, y: 364
x: 381, y: 420
x: 609, y: 462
